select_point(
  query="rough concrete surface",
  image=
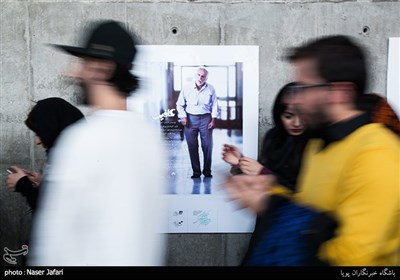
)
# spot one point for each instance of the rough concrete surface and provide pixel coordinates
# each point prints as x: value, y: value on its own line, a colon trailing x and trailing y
x: 30, y: 71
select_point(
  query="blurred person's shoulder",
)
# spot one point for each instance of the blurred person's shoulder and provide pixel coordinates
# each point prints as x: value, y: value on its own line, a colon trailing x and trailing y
x: 375, y: 136
x: 69, y: 141
x: 72, y: 131
x: 139, y: 122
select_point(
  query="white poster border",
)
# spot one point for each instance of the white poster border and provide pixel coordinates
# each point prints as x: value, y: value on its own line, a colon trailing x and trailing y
x: 212, y: 213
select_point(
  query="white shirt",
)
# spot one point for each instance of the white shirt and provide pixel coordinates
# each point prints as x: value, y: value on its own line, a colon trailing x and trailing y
x: 197, y: 102
x: 102, y: 203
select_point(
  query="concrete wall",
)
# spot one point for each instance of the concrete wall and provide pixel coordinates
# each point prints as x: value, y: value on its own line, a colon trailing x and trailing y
x: 32, y: 71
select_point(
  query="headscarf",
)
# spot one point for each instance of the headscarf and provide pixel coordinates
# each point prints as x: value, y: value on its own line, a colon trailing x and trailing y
x: 49, y: 117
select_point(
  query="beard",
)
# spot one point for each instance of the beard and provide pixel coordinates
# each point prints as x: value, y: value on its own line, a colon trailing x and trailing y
x: 315, y: 121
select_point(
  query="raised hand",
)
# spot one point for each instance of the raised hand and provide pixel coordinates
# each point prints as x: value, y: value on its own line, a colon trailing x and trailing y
x: 251, y: 192
x: 231, y: 154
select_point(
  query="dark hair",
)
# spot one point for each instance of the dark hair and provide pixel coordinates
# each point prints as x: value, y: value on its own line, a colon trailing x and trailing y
x: 277, y: 134
x: 279, y: 107
x: 280, y: 151
x: 124, y: 80
x: 338, y: 59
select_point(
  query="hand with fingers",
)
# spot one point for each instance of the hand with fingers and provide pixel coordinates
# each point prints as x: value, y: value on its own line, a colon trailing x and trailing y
x: 13, y: 178
x: 251, y: 192
x: 34, y: 177
x: 231, y: 154
x: 250, y: 166
x: 184, y: 121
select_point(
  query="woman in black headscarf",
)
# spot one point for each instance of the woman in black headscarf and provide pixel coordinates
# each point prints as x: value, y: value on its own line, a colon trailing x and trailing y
x: 47, y: 119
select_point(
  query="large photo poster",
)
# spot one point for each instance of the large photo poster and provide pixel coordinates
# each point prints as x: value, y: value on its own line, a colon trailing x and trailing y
x: 196, y: 198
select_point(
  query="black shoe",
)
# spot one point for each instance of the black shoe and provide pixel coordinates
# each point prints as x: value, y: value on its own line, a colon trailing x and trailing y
x: 208, y: 175
x: 194, y: 176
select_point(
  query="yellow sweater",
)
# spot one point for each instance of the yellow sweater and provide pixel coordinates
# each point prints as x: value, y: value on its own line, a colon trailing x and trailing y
x: 357, y: 179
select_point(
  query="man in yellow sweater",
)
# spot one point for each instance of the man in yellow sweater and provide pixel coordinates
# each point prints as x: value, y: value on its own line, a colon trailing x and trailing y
x: 351, y: 169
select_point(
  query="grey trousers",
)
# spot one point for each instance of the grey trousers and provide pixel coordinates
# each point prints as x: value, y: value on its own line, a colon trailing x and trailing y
x: 199, y: 124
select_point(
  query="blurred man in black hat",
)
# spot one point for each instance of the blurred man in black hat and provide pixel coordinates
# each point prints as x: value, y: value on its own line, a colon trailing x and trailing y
x: 103, y: 202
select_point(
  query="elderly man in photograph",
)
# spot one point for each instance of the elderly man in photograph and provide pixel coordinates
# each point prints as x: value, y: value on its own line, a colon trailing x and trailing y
x: 197, y: 108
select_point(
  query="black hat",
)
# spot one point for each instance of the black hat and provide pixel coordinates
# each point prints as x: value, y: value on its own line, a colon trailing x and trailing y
x: 107, y: 40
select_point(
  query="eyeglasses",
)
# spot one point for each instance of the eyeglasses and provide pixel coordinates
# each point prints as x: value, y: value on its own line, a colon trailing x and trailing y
x: 302, y: 87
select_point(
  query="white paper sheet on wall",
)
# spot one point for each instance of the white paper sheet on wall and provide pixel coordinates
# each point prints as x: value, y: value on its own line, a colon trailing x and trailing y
x: 393, y: 74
